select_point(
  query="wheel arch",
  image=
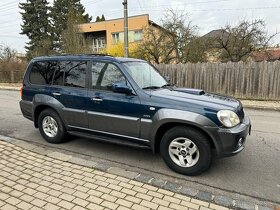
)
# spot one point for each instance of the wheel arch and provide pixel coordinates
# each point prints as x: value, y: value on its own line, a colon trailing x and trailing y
x: 168, y: 125
x: 38, y: 109
x: 42, y: 102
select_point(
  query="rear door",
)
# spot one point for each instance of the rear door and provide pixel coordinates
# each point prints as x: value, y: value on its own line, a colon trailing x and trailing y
x: 111, y: 113
x: 69, y: 87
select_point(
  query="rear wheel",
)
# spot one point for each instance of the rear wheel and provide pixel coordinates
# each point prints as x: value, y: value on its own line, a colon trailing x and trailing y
x: 186, y: 150
x: 51, y: 127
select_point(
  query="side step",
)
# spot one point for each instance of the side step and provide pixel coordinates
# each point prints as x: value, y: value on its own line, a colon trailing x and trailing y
x: 109, y: 139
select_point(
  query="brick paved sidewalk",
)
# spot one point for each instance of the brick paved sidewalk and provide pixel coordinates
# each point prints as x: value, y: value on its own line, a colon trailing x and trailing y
x: 33, y: 181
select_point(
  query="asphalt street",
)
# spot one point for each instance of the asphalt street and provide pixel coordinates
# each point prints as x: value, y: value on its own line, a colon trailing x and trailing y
x: 255, y: 172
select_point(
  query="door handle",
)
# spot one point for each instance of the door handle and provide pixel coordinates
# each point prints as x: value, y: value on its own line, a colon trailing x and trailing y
x: 56, y: 94
x: 96, y: 99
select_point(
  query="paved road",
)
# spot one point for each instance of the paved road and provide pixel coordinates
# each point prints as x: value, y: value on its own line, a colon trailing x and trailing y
x: 254, y: 172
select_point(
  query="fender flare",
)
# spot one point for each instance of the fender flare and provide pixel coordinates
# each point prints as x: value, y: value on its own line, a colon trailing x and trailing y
x: 49, y: 101
x: 165, y: 116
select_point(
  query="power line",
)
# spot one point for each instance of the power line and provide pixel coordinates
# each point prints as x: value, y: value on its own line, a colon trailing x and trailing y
x: 186, y: 4
x: 214, y: 9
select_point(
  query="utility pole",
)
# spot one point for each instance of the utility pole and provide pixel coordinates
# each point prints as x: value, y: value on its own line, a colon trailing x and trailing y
x: 125, y: 29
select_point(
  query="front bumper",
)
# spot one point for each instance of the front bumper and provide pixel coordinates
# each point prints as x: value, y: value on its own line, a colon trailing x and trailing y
x: 230, y: 141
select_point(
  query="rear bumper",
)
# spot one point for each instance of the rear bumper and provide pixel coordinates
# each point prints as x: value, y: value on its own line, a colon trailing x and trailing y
x: 231, y: 141
x: 26, y: 109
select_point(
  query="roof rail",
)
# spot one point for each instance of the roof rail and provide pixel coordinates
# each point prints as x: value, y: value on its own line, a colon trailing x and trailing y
x: 94, y: 54
x: 97, y: 54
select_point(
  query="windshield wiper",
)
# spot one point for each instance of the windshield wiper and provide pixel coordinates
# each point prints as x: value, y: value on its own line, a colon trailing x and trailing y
x: 166, y: 85
x: 150, y: 87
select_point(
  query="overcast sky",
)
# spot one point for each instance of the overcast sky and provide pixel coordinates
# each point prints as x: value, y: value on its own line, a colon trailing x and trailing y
x: 206, y: 14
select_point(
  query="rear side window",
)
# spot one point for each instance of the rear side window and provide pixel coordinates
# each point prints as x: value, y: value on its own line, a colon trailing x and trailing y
x: 70, y: 73
x: 42, y: 72
x: 75, y: 74
x: 58, y: 78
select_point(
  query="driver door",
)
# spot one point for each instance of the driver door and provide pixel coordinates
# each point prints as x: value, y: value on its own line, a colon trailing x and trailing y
x: 111, y: 113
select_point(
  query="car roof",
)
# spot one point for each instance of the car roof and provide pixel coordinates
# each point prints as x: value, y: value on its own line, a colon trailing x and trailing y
x: 87, y: 57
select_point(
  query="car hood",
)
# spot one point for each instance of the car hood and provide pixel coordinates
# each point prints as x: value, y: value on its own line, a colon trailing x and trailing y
x: 199, y: 97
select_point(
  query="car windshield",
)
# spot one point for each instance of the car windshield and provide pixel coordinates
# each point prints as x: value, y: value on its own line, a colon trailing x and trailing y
x: 145, y: 75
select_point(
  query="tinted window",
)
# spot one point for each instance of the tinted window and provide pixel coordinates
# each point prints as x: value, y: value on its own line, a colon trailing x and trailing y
x: 75, y: 74
x: 104, y: 74
x: 111, y: 75
x: 42, y: 72
x: 59, y: 73
x: 70, y: 73
x: 96, y: 69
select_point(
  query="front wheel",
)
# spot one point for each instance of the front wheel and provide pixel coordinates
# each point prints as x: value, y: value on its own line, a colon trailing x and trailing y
x: 51, y: 127
x: 186, y: 150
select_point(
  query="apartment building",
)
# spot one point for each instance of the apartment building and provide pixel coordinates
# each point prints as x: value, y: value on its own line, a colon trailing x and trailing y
x: 106, y: 34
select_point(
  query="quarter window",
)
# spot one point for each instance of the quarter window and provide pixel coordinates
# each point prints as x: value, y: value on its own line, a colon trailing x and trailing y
x: 42, y: 72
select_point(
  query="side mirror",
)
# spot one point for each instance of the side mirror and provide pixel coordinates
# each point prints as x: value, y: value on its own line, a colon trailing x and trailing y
x: 121, y: 87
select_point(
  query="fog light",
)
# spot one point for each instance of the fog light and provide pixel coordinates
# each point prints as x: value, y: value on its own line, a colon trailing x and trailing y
x: 240, y: 143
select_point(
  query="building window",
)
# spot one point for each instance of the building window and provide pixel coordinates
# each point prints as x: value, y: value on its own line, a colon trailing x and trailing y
x: 116, y: 38
x: 138, y: 35
x: 99, y: 44
x: 133, y: 36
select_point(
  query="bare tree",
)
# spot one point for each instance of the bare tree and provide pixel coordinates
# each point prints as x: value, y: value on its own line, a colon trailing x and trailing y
x: 73, y: 41
x: 7, y: 53
x: 238, y: 42
x: 9, y: 60
x: 182, y: 31
x: 196, y: 50
x: 167, y: 43
x: 156, y: 45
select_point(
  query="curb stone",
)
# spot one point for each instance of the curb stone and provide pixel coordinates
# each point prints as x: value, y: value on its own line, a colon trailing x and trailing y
x: 144, y: 178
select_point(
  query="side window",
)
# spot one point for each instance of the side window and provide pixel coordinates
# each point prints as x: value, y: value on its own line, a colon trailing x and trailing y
x: 104, y: 74
x: 70, y: 73
x: 42, y: 72
x: 95, y: 71
x: 75, y: 74
x: 111, y: 75
x: 59, y: 73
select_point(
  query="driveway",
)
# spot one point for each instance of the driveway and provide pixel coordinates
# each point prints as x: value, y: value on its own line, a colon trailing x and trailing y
x: 255, y: 172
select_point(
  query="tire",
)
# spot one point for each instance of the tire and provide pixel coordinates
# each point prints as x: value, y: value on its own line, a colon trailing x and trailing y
x: 51, y: 119
x: 186, y: 150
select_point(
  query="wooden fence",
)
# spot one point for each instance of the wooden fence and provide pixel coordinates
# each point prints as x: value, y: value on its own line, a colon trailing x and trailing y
x: 252, y: 80
x: 11, y: 76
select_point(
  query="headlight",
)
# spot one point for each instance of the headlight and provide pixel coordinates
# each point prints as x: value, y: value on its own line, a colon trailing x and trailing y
x: 228, y: 118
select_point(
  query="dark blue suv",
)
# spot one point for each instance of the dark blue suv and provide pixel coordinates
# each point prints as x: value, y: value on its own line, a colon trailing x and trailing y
x: 127, y: 101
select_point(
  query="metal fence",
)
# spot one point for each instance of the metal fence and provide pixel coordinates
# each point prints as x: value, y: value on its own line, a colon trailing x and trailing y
x: 11, y: 76
x: 252, y: 80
